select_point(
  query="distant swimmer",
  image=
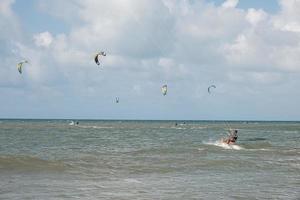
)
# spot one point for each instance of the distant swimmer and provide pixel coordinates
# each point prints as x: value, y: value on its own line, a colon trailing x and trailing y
x: 176, y: 124
x: 232, y: 137
x: 77, y: 123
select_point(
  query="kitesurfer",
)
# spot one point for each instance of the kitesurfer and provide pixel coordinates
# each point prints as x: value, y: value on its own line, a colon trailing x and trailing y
x: 232, y: 138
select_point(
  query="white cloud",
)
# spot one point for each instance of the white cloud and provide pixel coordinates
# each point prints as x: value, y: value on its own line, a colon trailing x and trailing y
x: 9, y: 25
x: 289, y: 16
x: 230, y: 3
x: 166, y: 62
x: 169, y: 36
x: 256, y: 77
x: 5, y: 7
x: 291, y: 26
x: 165, y: 36
x: 43, y: 39
x: 255, y: 16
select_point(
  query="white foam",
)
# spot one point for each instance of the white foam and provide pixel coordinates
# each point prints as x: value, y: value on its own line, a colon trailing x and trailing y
x: 198, y: 127
x: 262, y: 149
x: 131, y: 180
x: 94, y: 127
x: 179, y: 128
x: 295, y: 165
x: 224, y: 145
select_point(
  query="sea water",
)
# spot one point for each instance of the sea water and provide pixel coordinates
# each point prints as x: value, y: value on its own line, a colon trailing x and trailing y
x: 56, y: 159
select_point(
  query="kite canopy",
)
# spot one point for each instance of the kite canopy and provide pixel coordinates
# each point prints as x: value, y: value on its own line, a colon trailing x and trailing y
x: 164, y: 90
x: 98, y: 56
x: 209, y: 88
x: 20, y: 65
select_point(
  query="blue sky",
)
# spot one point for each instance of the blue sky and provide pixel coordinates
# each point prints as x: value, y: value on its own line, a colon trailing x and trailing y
x: 270, y: 6
x: 34, y: 19
x: 248, y: 49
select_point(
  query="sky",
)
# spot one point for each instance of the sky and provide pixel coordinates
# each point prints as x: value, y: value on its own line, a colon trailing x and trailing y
x: 248, y: 49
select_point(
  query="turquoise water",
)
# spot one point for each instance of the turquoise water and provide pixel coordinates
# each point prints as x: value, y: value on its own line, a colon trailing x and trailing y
x: 50, y: 159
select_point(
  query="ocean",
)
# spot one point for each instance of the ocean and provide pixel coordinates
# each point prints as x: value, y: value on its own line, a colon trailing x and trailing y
x: 54, y: 159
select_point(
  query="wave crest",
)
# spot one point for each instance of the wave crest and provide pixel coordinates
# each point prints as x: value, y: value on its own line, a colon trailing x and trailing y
x: 224, y: 145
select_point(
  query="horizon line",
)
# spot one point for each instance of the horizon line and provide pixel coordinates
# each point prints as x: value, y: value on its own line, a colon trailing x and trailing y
x: 107, y: 119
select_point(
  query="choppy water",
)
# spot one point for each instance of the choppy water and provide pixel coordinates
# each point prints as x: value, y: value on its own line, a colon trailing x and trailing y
x: 42, y: 159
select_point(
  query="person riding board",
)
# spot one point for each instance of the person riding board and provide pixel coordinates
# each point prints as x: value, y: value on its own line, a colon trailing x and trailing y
x: 232, y: 138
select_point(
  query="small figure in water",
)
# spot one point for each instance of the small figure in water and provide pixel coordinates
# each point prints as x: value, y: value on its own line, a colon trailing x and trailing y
x: 176, y: 124
x: 232, y: 138
x: 77, y: 123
